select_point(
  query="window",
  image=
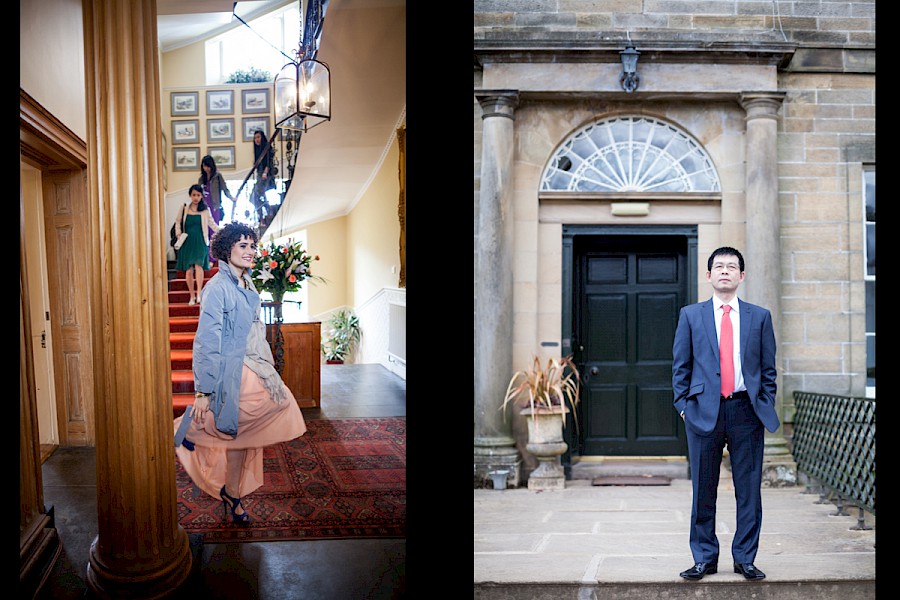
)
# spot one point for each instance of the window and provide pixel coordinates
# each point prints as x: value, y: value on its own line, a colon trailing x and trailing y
x: 630, y: 154
x: 255, y: 46
x: 869, y: 256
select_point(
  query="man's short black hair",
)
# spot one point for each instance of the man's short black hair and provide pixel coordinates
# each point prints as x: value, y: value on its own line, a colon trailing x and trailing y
x: 229, y: 235
x: 725, y: 251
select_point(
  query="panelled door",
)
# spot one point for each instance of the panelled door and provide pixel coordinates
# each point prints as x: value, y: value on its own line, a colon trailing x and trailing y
x: 628, y: 291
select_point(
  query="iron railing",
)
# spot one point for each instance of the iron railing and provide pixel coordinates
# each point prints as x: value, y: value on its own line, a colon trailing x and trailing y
x: 834, y: 445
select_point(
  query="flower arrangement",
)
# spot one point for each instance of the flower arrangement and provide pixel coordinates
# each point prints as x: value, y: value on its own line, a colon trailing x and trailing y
x: 282, y: 268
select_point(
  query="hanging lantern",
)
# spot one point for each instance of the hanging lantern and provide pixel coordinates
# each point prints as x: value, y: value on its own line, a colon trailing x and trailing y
x: 302, y: 95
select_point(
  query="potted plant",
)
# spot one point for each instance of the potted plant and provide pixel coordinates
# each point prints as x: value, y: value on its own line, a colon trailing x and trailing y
x: 545, y: 393
x: 344, y: 334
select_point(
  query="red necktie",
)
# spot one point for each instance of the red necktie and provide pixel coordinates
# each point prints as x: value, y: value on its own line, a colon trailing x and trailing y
x: 726, y: 353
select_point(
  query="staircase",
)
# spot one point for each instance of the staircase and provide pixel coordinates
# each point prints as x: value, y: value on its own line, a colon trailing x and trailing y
x: 183, y: 320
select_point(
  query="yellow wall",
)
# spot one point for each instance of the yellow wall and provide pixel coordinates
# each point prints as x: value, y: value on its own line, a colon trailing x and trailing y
x: 328, y: 239
x: 51, y: 59
x: 374, y: 228
x: 184, y: 67
x: 184, y: 70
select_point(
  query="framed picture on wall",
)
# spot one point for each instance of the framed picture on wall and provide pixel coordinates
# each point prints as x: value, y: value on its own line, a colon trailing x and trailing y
x: 255, y: 101
x: 220, y: 102
x: 251, y: 124
x: 184, y: 104
x: 186, y: 159
x: 220, y: 130
x: 223, y: 155
x: 186, y: 131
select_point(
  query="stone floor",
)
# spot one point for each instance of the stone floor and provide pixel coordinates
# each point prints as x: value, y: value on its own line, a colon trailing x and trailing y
x: 260, y: 570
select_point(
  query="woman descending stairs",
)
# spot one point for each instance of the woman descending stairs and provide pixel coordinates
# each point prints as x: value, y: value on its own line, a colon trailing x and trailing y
x: 183, y: 319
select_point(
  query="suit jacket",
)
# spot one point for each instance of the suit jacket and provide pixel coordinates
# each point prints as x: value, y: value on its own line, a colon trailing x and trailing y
x: 695, y: 370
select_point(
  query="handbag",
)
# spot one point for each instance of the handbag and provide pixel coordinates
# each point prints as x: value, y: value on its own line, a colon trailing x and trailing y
x: 175, y: 240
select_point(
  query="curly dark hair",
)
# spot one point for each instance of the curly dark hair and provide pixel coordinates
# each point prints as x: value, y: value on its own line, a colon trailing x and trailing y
x: 230, y: 234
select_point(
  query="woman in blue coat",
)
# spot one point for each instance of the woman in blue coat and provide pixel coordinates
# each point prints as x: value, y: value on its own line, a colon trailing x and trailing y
x: 242, y: 404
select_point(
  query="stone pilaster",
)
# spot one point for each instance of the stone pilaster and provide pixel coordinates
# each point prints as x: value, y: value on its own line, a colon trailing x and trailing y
x: 494, y: 444
x: 140, y: 550
x: 763, y: 249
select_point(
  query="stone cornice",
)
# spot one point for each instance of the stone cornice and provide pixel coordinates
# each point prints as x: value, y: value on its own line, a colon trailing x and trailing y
x: 598, y: 50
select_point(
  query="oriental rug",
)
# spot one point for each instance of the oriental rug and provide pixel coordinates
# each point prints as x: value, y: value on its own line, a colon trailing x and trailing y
x: 343, y: 478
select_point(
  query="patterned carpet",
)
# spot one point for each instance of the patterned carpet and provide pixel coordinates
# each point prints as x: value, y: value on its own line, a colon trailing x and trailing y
x: 344, y: 478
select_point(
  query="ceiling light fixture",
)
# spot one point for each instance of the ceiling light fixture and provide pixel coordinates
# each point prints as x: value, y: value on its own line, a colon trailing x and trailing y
x: 303, y: 87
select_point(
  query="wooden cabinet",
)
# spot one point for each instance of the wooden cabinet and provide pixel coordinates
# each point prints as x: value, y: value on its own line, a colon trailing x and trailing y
x: 302, y: 351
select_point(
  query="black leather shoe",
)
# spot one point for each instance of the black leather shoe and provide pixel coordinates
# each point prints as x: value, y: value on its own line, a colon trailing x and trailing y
x: 749, y: 571
x: 700, y: 569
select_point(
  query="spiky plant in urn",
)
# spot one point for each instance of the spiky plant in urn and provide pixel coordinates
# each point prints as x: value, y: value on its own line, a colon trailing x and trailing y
x: 544, y: 394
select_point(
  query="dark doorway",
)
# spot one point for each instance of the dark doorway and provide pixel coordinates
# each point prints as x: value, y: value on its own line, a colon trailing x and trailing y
x: 627, y: 291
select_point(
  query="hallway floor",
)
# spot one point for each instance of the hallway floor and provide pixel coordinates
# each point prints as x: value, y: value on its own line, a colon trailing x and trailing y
x: 373, y: 569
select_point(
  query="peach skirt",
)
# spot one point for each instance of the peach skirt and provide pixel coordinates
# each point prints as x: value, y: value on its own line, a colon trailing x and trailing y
x: 261, y: 423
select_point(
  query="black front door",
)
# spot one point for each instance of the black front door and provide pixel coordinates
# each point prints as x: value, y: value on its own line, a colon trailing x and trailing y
x: 628, y: 291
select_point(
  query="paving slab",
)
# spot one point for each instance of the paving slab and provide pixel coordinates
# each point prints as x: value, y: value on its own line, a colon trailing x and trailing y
x: 585, y: 537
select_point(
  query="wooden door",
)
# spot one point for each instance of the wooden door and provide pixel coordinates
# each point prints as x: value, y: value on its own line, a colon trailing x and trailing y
x: 68, y: 235
x: 629, y: 291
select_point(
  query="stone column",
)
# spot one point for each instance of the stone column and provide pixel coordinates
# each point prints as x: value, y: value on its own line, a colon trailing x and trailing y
x: 140, y: 550
x: 494, y: 444
x: 763, y: 250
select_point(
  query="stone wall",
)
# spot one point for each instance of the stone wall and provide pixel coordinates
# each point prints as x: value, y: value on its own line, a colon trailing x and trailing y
x: 807, y: 23
x: 826, y: 135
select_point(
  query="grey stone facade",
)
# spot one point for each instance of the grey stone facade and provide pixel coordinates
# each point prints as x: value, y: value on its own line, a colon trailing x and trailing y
x: 700, y: 62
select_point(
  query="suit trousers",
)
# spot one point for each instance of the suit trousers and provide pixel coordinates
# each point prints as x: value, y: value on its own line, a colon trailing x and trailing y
x: 738, y: 427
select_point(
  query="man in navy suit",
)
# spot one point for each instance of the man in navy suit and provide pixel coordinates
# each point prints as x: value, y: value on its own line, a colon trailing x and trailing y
x: 714, y: 416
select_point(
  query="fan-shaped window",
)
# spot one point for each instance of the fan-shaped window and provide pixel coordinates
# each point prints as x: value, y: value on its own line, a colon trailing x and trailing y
x: 630, y: 154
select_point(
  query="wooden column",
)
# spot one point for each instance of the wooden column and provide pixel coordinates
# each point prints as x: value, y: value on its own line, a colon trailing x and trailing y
x: 140, y: 550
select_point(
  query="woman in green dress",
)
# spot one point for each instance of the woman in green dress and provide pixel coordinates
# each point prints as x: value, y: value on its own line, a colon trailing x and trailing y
x: 193, y: 256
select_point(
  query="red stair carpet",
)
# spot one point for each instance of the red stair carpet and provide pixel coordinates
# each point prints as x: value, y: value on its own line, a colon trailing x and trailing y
x: 183, y: 320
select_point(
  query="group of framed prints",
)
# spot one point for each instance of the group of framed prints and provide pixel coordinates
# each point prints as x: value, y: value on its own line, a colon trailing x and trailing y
x: 220, y: 129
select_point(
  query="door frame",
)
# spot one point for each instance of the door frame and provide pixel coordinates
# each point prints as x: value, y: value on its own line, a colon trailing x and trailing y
x: 47, y: 145
x: 569, y: 232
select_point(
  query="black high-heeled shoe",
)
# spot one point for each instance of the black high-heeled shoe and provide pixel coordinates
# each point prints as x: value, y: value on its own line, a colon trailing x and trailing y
x: 233, y: 503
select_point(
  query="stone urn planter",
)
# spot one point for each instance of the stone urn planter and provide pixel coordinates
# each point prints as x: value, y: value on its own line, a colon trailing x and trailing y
x: 545, y: 441
x: 544, y: 394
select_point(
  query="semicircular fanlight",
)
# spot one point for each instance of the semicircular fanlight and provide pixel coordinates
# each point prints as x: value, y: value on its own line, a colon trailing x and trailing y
x: 630, y: 154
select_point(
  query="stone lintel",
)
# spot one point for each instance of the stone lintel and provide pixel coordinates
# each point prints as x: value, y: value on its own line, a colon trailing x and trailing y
x: 602, y: 79
x: 584, y: 47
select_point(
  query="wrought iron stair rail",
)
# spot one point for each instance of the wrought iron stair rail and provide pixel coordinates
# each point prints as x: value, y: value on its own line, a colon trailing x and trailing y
x: 246, y: 189
x: 834, y: 444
